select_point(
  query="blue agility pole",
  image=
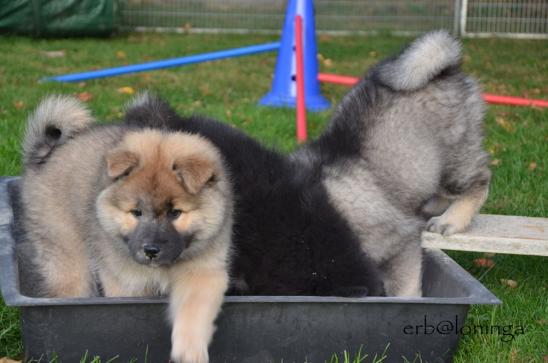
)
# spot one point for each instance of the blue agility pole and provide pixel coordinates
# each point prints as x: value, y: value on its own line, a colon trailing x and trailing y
x: 283, y: 92
x: 174, y: 62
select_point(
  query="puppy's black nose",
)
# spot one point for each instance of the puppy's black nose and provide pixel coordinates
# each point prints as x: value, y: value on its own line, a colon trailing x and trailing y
x: 151, y: 251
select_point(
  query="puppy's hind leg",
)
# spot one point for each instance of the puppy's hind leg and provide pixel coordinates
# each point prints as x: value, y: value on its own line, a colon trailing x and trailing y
x: 67, y: 276
x: 403, y: 273
x: 59, y: 263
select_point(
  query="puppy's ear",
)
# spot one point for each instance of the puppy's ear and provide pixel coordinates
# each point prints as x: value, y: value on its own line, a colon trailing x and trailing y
x: 120, y: 163
x: 194, y: 172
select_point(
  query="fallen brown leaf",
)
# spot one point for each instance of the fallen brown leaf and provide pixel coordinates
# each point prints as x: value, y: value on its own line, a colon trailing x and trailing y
x: 514, y: 358
x: 328, y: 63
x: 84, y: 96
x: 126, y: 90
x: 7, y: 360
x: 495, y: 162
x: 495, y: 149
x: 510, y: 283
x: 499, y: 88
x: 505, y: 124
x: 121, y: 54
x: 324, y: 37
x: 204, y: 89
x: 484, y: 262
x: 187, y: 27
x: 54, y: 53
x: 373, y: 54
x: 19, y: 105
x: 115, y: 113
x: 532, y: 166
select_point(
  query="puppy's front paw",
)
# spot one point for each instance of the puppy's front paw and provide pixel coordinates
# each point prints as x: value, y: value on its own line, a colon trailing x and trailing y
x: 186, y: 352
x: 442, y: 226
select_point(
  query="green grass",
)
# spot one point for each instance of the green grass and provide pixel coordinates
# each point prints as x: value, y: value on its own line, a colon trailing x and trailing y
x: 230, y: 89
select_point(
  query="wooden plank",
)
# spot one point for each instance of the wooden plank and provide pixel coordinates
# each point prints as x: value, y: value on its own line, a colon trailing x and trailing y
x: 497, y: 234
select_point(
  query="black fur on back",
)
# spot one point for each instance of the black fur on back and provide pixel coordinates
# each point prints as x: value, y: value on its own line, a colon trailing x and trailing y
x: 342, y: 138
x: 288, y: 238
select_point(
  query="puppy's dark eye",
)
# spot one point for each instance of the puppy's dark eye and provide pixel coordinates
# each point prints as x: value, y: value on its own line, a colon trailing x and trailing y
x: 174, y: 213
x: 136, y: 212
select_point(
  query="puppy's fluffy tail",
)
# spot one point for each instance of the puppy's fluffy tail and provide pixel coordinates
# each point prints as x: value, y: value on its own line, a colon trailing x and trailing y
x: 420, y: 62
x: 55, y: 120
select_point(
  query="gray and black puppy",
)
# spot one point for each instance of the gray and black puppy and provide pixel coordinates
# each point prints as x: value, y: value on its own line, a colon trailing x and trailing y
x: 406, y: 141
x: 136, y: 211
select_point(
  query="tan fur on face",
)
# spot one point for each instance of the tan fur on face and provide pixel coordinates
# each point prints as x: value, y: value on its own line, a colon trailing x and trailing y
x: 184, y: 222
x: 124, y: 222
x: 194, y: 172
x: 168, y: 169
x: 120, y: 162
x: 169, y: 162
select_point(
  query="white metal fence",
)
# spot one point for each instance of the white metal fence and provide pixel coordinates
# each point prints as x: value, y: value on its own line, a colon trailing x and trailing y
x: 514, y: 18
x: 510, y: 18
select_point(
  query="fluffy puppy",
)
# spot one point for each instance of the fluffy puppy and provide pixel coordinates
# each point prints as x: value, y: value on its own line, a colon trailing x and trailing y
x: 347, y: 209
x: 128, y: 212
x: 288, y: 237
x: 404, y: 142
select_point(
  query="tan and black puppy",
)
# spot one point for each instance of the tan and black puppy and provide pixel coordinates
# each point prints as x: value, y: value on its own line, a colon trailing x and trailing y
x: 134, y: 211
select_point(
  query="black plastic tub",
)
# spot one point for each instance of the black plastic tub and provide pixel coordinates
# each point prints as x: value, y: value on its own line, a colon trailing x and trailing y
x: 251, y: 329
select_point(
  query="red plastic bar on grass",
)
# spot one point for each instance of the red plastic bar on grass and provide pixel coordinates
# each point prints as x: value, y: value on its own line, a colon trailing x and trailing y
x: 513, y: 101
x: 334, y: 78
x: 489, y: 98
x: 301, y: 109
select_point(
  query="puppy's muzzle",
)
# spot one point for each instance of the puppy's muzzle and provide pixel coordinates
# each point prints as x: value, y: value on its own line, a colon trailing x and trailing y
x: 156, y: 244
x: 151, y: 251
